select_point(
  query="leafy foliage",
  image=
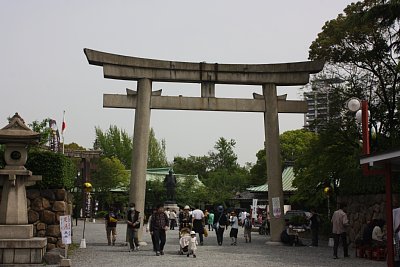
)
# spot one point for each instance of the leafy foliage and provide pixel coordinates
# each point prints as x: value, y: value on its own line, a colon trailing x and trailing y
x: 42, y: 128
x: 117, y: 143
x: 114, y: 143
x: 157, y: 155
x: 193, y: 165
x: 57, y: 170
x: 292, y: 143
x: 110, y: 174
x: 219, y: 171
x: 363, y: 50
x: 73, y: 146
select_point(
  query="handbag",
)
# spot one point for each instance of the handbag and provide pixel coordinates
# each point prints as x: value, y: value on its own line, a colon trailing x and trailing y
x: 216, y: 225
x: 205, y: 232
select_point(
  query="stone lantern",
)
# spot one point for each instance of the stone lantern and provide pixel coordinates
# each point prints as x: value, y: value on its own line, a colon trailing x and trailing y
x: 17, y: 244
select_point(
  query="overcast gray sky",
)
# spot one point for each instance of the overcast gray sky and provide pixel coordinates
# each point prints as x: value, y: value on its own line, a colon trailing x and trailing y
x: 44, y: 71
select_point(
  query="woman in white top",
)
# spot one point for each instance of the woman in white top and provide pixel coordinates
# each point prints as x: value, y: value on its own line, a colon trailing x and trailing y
x: 233, y: 219
x: 377, y: 233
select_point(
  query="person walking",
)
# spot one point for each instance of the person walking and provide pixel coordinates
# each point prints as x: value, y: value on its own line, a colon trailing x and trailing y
x: 148, y: 229
x: 111, y: 226
x: 220, y: 221
x: 198, y: 223
x: 158, y: 228
x: 247, y: 228
x: 234, y: 221
x: 210, y: 220
x: 172, y: 220
x: 315, y: 221
x: 133, y: 221
x: 339, y: 224
x: 192, y: 244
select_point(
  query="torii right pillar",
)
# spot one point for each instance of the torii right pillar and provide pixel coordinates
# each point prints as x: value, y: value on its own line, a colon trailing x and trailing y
x: 274, y: 170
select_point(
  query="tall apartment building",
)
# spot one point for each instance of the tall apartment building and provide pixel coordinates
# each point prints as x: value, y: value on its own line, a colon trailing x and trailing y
x: 318, y: 103
x: 318, y: 108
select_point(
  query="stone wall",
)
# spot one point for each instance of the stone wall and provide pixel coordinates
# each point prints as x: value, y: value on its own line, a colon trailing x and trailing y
x: 44, y: 210
x: 362, y: 208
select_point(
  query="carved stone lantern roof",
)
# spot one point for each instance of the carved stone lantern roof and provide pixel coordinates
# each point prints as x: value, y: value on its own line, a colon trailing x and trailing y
x: 17, y: 132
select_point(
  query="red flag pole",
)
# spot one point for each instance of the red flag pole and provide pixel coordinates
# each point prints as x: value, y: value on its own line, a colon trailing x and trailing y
x: 62, y: 130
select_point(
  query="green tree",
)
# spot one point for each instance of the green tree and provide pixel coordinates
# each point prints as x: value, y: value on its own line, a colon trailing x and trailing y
x: 43, y: 128
x: 117, y: 143
x: 224, y: 156
x: 258, y: 172
x: 195, y: 165
x: 57, y: 170
x: 110, y: 174
x: 293, y: 144
x: 157, y: 155
x: 363, y: 50
x: 73, y: 146
x: 189, y: 192
x: 114, y: 143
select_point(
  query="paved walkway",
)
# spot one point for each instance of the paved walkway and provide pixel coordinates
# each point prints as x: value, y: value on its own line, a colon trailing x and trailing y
x: 257, y: 253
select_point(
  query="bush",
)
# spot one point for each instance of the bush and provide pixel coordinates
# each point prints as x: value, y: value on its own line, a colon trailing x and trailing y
x: 57, y: 170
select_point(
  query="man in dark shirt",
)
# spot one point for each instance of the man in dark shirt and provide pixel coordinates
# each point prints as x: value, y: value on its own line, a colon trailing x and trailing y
x: 158, y: 227
x: 315, y: 220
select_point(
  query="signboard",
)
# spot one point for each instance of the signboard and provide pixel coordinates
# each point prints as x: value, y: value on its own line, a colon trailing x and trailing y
x: 276, y: 207
x: 254, y: 208
x: 65, y: 228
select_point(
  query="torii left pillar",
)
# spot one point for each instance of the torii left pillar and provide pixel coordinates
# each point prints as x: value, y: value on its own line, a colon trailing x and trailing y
x: 141, y: 132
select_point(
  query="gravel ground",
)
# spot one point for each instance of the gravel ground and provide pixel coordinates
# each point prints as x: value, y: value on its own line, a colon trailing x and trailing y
x: 257, y: 253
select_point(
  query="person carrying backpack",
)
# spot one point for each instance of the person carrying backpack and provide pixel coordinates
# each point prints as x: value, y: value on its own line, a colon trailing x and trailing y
x: 247, y: 225
x: 111, y: 226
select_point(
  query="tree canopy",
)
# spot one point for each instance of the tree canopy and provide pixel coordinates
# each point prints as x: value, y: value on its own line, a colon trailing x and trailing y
x: 117, y: 143
x: 362, y: 51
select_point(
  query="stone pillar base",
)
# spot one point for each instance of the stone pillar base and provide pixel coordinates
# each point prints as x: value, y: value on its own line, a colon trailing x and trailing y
x: 16, y: 231
x: 22, y: 251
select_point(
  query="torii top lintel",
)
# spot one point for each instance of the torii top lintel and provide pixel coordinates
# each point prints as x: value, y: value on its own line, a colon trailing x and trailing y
x: 134, y: 68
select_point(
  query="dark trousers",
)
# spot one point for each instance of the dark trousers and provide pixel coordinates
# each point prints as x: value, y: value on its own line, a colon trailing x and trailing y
x: 159, y: 239
x: 220, y: 234
x: 336, y: 238
x: 153, y: 241
x: 198, y: 228
x: 314, y: 234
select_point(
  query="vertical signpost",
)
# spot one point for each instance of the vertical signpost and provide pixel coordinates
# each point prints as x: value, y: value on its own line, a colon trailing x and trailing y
x: 65, y: 228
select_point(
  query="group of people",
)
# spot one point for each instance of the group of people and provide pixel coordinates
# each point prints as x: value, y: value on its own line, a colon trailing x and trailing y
x: 196, y: 221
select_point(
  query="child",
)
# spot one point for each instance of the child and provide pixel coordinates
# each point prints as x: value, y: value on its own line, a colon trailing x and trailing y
x: 247, y: 228
x: 193, y: 244
x: 234, y: 228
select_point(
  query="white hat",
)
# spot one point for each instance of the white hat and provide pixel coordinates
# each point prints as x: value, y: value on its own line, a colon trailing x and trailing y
x: 186, y: 207
x: 192, y: 232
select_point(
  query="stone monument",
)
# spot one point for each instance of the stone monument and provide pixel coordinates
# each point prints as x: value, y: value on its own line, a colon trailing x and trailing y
x: 17, y: 244
x: 170, y: 185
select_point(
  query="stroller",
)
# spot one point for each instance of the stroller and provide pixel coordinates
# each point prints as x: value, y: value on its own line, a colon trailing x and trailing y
x: 184, y: 241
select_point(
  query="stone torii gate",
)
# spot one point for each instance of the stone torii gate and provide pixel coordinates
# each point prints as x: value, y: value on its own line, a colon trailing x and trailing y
x: 145, y: 71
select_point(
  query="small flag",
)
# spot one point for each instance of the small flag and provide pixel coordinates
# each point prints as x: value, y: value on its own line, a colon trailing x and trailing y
x: 64, y: 125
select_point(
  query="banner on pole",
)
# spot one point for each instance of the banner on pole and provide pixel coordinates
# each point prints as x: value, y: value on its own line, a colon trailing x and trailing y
x: 276, y: 207
x: 65, y: 228
x: 254, y: 208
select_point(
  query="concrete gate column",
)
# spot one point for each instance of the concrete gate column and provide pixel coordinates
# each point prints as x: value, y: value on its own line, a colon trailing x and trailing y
x: 141, y: 131
x: 274, y: 170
